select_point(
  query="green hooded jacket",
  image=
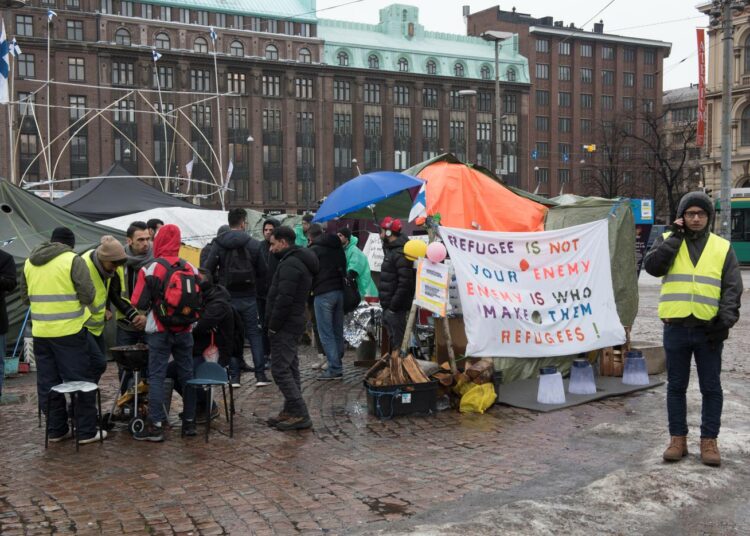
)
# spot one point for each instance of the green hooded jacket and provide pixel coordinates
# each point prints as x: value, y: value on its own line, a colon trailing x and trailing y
x: 357, y: 261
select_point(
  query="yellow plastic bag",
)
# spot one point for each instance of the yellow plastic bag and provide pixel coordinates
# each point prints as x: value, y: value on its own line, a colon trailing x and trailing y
x: 478, y: 398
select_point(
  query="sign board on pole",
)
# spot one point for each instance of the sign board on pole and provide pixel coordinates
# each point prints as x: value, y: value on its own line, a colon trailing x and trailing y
x: 432, y: 286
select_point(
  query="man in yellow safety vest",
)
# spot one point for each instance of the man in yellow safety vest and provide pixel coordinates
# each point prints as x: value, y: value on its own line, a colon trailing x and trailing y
x: 699, y: 303
x: 57, y: 285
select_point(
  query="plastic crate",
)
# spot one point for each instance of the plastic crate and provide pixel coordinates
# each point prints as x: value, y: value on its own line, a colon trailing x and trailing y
x: 406, y: 399
x: 11, y: 366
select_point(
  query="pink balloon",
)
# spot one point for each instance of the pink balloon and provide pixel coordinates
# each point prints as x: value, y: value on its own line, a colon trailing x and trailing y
x: 436, y: 252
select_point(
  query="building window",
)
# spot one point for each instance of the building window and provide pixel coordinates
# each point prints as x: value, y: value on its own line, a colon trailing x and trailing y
x: 166, y: 77
x: 542, y: 149
x: 78, y: 149
x: 184, y: 15
x: 254, y: 26
x: 201, y: 17
x: 485, y: 72
x: 542, y: 175
x: 200, y: 80
x: 373, y: 62
x: 649, y: 56
x: 608, y: 102
x: 373, y: 132
x: 563, y: 48
x: 105, y: 6
x: 511, y: 103
x: 272, y: 26
x: 236, y: 83
x: 563, y: 149
x: 161, y: 41
x: 342, y: 147
x: 122, y: 37
x: 165, y: 13
x: 372, y: 93
x: 124, y: 111
x: 126, y: 8
x: 563, y: 124
x: 564, y: 72
x: 271, y: 85
x: 77, y: 107
x: 75, y: 30
x: 648, y: 81
x: 628, y: 103
x: 341, y: 90
x: 24, y: 26
x: 306, y: 158
x: 305, y: 29
x: 608, y: 78
x: 72, y: 4
x: 484, y: 101
x: 200, y: 45
x: 26, y: 66
x: 430, y: 138
x: 745, y: 127
x: 237, y: 49
x: 403, y: 65
x: 429, y: 97
x: 542, y: 97
x: 542, y: 45
x: 343, y: 59
x: 303, y: 88
x: 221, y: 20
x: 563, y: 99
x: 542, y: 123
x: 628, y: 79
x: 431, y: 67
x: 648, y: 105
x: 28, y: 151
x: 587, y: 76
x: 237, y: 22
x: 272, y: 120
x: 608, y: 52
x: 401, y: 96
x: 401, y: 143
x: 684, y: 115
x: 200, y: 114
x: 510, y: 74
x: 563, y: 175
x: 587, y: 100
x: 236, y: 118
x: 304, y: 56
x: 628, y: 54
x: 147, y: 11
x: 586, y: 125
x: 122, y: 73
x: 76, y: 69
x: 272, y: 53
x: 587, y: 50
x: 458, y: 69
x: 542, y: 71
x: 457, y: 102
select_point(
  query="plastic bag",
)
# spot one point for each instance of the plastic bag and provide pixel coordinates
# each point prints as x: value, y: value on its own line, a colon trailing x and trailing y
x: 478, y: 398
x: 211, y: 353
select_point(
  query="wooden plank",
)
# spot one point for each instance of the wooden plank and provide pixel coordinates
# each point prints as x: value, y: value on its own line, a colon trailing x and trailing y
x: 413, y: 370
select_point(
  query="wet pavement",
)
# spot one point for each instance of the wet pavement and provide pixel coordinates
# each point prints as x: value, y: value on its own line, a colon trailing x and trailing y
x: 590, y: 469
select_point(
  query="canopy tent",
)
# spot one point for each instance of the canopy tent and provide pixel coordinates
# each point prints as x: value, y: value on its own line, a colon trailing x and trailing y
x: 116, y: 193
x: 27, y: 220
x: 199, y: 226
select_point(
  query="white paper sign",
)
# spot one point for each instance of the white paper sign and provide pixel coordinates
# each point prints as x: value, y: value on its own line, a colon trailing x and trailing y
x: 535, y: 294
x: 373, y: 249
x: 432, y: 286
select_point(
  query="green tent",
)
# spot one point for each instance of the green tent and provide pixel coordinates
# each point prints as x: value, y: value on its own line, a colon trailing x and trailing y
x: 27, y: 220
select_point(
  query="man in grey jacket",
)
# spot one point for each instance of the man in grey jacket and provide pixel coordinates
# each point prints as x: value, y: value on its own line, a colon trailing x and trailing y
x: 699, y: 303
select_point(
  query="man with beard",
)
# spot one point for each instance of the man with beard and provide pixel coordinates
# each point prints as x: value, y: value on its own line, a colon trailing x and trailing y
x: 139, y: 254
x: 271, y: 262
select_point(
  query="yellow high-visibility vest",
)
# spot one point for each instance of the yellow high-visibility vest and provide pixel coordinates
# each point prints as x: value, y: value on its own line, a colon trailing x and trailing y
x: 694, y: 290
x: 55, y: 309
x: 96, y: 321
x: 123, y: 291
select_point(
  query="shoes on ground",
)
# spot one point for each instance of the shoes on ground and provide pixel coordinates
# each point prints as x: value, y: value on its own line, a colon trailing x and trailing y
x: 150, y: 432
x: 93, y: 439
x: 328, y: 375
x: 294, y: 423
x: 188, y: 428
x: 57, y: 439
x: 262, y: 381
x: 273, y: 421
x: 319, y: 362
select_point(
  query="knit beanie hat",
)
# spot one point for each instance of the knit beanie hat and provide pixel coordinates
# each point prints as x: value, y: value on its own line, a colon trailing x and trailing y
x: 111, y: 250
x: 63, y: 235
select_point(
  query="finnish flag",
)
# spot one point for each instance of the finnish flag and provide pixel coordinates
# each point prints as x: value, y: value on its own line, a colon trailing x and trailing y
x: 4, y: 65
x: 212, y: 34
x: 419, y: 208
x: 50, y: 14
x: 155, y: 55
x: 15, y: 50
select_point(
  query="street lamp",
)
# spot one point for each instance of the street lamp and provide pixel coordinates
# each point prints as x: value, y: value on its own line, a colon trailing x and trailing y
x: 498, y: 37
x: 467, y: 93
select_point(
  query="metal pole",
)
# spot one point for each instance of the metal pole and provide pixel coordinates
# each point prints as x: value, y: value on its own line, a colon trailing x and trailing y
x: 12, y: 168
x: 163, y: 113
x: 222, y: 192
x: 726, y: 121
x: 498, y: 115
x: 49, y: 136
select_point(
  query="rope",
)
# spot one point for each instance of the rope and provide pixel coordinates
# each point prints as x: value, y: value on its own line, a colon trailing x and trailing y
x: 377, y: 395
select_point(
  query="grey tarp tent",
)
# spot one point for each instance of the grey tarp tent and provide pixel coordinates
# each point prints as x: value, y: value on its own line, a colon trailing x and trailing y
x: 27, y: 220
x: 116, y: 193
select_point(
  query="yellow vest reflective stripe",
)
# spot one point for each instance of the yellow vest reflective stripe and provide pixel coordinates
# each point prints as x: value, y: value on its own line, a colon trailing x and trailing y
x: 55, y: 309
x: 95, y: 323
x: 123, y: 291
x: 694, y: 290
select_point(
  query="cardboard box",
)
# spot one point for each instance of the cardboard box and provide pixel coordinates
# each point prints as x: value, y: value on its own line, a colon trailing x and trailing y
x: 458, y: 336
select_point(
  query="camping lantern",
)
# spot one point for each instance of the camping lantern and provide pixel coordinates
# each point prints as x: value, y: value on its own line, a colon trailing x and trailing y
x: 551, y: 390
x: 635, y: 372
x: 582, y: 378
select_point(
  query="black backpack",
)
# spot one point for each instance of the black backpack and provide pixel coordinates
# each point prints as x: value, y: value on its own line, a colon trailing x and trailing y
x: 239, y: 272
x: 351, y: 292
x: 179, y: 300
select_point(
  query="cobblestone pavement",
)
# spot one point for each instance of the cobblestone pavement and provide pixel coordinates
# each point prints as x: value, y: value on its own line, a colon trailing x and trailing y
x: 587, y: 469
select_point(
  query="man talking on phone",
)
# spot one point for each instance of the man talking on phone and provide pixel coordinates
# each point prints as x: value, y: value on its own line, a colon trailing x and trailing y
x: 699, y: 303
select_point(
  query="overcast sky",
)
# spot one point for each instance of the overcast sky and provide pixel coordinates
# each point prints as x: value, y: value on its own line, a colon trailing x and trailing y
x: 673, y: 21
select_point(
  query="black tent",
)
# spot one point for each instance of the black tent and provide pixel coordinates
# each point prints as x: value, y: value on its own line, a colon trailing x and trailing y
x: 116, y: 193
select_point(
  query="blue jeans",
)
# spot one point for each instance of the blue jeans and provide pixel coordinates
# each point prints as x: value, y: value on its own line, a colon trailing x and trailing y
x: 2, y: 361
x: 680, y: 345
x: 160, y: 346
x: 329, y: 315
x: 248, y: 309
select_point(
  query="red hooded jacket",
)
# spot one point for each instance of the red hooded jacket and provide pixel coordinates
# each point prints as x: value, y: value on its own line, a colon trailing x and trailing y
x: 151, y: 277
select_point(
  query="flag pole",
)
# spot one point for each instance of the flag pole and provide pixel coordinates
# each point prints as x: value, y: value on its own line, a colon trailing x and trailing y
x: 218, y: 120
x: 155, y: 55
x: 50, y: 14
x: 12, y: 170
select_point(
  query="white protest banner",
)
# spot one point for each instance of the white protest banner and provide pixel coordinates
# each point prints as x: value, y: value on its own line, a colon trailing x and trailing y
x: 373, y: 249
x: 535, y: 294
x: 432, y: 286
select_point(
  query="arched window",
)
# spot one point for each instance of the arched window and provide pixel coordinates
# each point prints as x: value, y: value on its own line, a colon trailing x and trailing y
x: 200, y: 45
x: 272, y: 53
x: 236, y: 48
x: 373, y: 62
x: 431, y: 67
x: 458, y: 69
x: 304, y: 56
x: 485, y: 72
x: 510, y: 74
x: 747, y: 54
x: 122, y: 37
x: 403, y: 65
x: 161, y: 41
x: 745, y: 126
x: 343, y: 58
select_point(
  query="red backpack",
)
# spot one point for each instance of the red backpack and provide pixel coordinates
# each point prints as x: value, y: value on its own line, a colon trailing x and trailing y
x: 179, y: 300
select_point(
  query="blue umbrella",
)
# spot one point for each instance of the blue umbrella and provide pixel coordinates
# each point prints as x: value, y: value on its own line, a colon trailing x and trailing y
x: 362, y: 191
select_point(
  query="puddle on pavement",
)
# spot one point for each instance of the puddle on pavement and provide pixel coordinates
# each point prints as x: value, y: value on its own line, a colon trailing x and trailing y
x: 388, y: 506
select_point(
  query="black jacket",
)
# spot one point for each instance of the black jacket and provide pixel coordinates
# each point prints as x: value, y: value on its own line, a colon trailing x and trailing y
x: 660, y: 257
x: 290, y: 287
x: 271, y: 263
x: 217, y: 260
x: 7, y: 284
x: 397, y: 278
x: 332, y: 260
x: 217, y: 316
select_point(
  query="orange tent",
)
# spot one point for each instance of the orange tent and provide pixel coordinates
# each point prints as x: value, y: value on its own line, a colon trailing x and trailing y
x: 468, y: 199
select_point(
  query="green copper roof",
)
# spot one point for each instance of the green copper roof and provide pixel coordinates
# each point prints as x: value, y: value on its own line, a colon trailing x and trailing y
x: 399, y: 35
x: 296, y: 10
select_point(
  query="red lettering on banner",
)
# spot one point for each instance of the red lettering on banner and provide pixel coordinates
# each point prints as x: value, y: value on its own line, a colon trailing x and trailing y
x: 701, y: 126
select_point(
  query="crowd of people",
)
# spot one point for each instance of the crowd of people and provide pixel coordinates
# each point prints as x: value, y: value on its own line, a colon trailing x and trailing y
x: 263, y: 293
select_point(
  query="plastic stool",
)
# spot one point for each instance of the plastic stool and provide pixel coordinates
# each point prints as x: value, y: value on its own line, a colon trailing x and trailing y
x: 73, y: 388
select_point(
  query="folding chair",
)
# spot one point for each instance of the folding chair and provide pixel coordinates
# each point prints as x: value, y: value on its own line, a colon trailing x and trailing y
x: 208, y: 375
